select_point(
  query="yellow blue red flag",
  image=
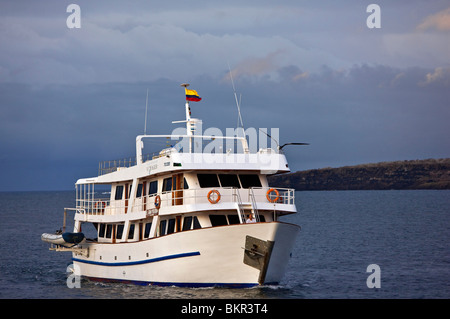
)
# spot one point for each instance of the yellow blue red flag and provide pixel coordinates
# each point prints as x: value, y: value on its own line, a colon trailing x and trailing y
x: 192, y: 95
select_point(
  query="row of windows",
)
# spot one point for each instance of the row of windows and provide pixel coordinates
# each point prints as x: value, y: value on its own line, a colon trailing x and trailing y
x: 149, y: 189
x: 205, y: 180
x: 116, y: 230
x: 229, y: 180
x: 166, y: 227
x: 222, y: 220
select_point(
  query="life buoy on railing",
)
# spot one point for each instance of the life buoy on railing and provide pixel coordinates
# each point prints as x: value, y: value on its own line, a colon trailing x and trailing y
x: 157, y: 201
x: 269, y: 193
x: 100, y: 206
x: 215, y: 198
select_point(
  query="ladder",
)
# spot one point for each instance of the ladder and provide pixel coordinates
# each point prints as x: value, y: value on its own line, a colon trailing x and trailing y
x: 240, y: 207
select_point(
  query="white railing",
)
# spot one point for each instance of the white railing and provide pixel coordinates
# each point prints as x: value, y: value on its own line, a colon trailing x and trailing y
x: 254, y: 197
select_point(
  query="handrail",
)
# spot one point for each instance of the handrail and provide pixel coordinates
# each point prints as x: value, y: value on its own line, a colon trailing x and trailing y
x: 255, y: 196
x: 255, y: 208
x: 239, y: 205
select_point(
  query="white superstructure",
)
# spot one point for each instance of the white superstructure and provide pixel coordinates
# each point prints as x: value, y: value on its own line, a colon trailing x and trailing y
x: 184, y: 216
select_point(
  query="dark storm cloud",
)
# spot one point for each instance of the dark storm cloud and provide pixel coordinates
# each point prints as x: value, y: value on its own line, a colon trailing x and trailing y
x: 70, y: 98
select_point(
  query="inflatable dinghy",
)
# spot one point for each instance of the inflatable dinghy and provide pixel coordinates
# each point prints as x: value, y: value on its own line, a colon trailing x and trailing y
x: 65, y: 239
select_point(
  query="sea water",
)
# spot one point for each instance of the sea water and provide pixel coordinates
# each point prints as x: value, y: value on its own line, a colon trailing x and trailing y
x: 405, y: 233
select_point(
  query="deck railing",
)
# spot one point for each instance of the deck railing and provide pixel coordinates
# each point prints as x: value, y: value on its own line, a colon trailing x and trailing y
x: 254, y: 196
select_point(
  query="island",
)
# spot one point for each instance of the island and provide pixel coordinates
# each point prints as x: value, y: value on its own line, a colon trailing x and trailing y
x: 407, y: 174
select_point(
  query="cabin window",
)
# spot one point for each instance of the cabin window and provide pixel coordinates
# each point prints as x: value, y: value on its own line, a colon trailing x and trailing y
x: 101, y: 230
x: 167, y: 184
x: 233, y: 219
x: 148, y: 226
x: 139, y: 190
x: 229, y: 180
x: 131, y: 232
x: 208, y: 180
x: 249, y: 180
x: 108, y: 231
x: 187, y: 223
x: 119, y: 231
x: 262, y: 219
x: 185, y: 186
x: 196, y: 223
x: 119, y: 192
x: 171, y: 226
x: 162, y: 227
x: 153, y: 187
x: 218, y: 220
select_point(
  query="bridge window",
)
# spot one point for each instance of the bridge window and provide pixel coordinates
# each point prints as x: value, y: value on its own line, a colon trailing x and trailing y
x: 249, y: 180
x: 229, y: 180
x: 208, y: 180
x: 153, y: 187
x: 167, y: 184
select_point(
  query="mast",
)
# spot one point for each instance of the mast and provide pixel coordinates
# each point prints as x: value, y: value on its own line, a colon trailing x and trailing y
x: 190, y: 124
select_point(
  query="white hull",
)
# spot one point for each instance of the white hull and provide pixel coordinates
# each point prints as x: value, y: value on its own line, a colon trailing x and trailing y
x: 204, y: 257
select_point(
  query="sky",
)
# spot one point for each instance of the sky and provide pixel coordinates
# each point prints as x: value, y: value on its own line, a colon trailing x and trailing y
x: 72, y: 97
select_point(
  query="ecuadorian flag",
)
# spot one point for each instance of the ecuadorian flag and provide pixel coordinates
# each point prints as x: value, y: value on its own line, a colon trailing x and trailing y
x: 192, y: 95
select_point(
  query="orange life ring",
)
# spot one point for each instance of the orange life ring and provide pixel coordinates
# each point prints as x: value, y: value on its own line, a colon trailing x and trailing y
x: 157, y: 201
x: 100, y: 206
x: 212, y: 200
x: 269, y: 192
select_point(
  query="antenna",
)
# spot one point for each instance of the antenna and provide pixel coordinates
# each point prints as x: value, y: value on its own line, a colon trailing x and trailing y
x: 146, y: 107
x: 235, y: 97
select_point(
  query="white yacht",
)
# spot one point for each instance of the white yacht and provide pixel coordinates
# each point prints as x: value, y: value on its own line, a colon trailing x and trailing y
x: 184, y: 216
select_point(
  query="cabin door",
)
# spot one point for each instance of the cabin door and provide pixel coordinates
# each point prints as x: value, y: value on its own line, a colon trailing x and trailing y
x: 177, y: 187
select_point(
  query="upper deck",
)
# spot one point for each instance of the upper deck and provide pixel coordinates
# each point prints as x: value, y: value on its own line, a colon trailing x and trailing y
x: 194, y: 153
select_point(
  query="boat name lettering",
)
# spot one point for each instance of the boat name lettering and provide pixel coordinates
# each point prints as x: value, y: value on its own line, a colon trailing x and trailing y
x: 152, y: 168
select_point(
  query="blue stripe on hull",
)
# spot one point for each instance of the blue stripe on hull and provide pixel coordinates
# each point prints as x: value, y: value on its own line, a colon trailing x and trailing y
x: 139, y: 262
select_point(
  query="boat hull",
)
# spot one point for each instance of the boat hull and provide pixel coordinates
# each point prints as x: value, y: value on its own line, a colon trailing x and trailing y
x: 196, y: 258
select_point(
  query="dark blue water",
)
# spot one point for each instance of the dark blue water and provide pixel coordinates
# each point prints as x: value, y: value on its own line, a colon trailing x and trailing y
x: 406, y: 233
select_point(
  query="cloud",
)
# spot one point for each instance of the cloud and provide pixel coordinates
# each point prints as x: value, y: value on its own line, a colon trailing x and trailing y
x: 439, y: 21
x: 439, y: 77
x: 255, y: 66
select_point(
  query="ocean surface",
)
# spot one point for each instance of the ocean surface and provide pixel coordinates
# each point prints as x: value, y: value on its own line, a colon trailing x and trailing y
x: 405, y: 233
